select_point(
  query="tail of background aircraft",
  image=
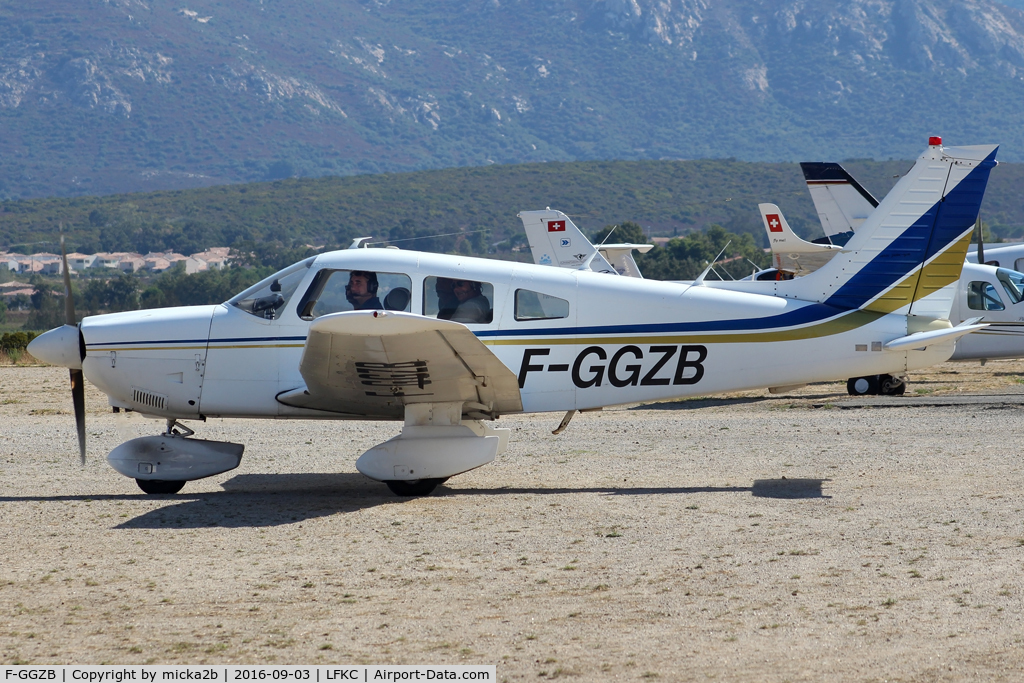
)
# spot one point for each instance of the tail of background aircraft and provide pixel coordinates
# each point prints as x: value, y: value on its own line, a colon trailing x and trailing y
x: 907, y: 255
x: 841, y: 202
x: 789, y: 252
x: 556, y: 241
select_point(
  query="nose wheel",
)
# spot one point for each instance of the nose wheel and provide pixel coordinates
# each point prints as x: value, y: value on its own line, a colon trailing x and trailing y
x: 873, y: 385
x: 409, y: 489
x: 158, y: 486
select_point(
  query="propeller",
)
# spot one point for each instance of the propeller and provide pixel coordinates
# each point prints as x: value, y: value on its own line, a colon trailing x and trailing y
x: 77, y: 376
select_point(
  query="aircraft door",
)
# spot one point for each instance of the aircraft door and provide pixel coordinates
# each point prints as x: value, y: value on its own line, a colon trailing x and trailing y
x: 255, y: 337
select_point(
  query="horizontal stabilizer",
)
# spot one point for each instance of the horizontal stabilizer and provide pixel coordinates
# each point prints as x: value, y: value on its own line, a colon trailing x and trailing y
x: 621, y: 257
x: 923, y: 339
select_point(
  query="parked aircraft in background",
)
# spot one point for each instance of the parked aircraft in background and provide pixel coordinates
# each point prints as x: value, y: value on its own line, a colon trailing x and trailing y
x: 443, y: 343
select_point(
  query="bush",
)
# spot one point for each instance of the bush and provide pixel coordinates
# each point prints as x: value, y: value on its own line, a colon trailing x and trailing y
x: 13, y: 343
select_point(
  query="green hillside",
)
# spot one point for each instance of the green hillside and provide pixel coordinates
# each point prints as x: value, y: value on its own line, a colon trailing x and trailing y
x: 474, y: 208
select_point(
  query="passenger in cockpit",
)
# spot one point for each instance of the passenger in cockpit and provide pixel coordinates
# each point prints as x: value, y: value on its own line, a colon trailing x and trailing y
x: 473, y: 306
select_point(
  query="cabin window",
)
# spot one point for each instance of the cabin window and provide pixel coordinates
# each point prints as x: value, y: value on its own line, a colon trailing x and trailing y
x: 1013, y: 283
x: 537, y: 306
x: 982, y: 296
x: 267, y: 298
x: 459, y: 300
x: 337, y: 291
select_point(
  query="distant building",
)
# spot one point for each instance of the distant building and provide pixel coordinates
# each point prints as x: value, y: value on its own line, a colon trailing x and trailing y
x: 156, y: 264
x: 131, y: 263
x: 79, y: 262
x: 10, y: 263
x: 128, y: 262
x: 214, y: 258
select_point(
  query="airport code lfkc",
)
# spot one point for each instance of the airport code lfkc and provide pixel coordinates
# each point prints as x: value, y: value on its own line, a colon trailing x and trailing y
x: 228, y: 674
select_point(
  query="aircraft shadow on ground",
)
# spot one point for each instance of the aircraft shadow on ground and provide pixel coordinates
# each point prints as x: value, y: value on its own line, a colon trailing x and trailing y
x: 261, y: 500
x: 264, y: 500
x: 693, y: 403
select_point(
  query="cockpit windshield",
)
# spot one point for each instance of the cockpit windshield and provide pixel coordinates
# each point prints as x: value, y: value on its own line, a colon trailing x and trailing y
x: 267, y: 298
x: 1012, y: 282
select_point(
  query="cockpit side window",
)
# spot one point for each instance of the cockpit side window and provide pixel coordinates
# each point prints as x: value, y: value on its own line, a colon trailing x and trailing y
x: 462, y: 301
x: 982, y: 296
x: 267, y: 298
x: 337, y: 291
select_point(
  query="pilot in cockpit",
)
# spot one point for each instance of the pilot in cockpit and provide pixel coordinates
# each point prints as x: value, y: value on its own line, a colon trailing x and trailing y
x: 361, y: 291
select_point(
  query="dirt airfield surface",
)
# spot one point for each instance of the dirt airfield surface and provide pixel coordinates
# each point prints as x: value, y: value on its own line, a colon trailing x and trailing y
x: 754, y: 537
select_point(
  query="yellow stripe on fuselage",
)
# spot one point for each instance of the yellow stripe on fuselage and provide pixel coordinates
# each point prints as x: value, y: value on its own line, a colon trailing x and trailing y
x: 844, y: 323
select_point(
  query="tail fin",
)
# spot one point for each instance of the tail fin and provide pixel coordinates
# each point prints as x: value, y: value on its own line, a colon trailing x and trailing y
x: 556, y: 241
x: 789, y: 252
x: 841, y: 202
x: 907, y: 255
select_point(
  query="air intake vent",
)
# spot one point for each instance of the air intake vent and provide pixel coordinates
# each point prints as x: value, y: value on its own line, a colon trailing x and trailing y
x: 147, y: 399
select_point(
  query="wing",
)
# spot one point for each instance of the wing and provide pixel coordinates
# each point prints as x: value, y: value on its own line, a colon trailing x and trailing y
x: 374, y: 363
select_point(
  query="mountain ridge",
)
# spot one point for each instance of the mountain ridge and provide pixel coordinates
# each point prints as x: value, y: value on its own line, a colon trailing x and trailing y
x: 109, y: 96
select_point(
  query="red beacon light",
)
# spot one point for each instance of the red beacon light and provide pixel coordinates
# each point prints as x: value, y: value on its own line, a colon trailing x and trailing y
x: 935, y: 141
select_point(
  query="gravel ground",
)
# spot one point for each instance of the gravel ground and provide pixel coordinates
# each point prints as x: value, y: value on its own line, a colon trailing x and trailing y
x: 757, y: 538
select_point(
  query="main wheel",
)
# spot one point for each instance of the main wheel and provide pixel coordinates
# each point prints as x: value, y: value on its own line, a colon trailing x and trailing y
x: 420, y: 487
x: 156, y: 486
x: 891, y: 386
x: 862, y: 386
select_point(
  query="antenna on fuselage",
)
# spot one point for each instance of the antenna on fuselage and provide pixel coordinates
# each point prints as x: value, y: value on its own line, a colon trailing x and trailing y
x: 699, y: 282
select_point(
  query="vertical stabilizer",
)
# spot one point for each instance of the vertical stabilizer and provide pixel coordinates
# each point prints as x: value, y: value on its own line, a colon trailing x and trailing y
x: 907, y: 255
x: 789, y: 252
x: 841, y: 202
x: 556, y: 241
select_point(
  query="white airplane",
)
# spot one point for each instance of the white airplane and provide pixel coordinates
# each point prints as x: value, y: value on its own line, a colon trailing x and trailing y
x: 990, y: 291
x: 443, y: 343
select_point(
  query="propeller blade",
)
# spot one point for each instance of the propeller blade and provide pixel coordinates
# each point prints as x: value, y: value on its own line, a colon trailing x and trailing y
x: 78, y: 399
x: 77, y: 376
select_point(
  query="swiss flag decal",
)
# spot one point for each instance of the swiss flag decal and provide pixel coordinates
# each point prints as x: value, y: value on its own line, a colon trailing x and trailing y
x: 556, y: 226
x: 774, y: 224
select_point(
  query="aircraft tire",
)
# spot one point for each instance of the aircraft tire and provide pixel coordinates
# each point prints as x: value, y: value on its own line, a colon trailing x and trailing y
x: 863, y: 386
x: 409, y: 489
x: 158, y: 486
x: 891, y: 386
